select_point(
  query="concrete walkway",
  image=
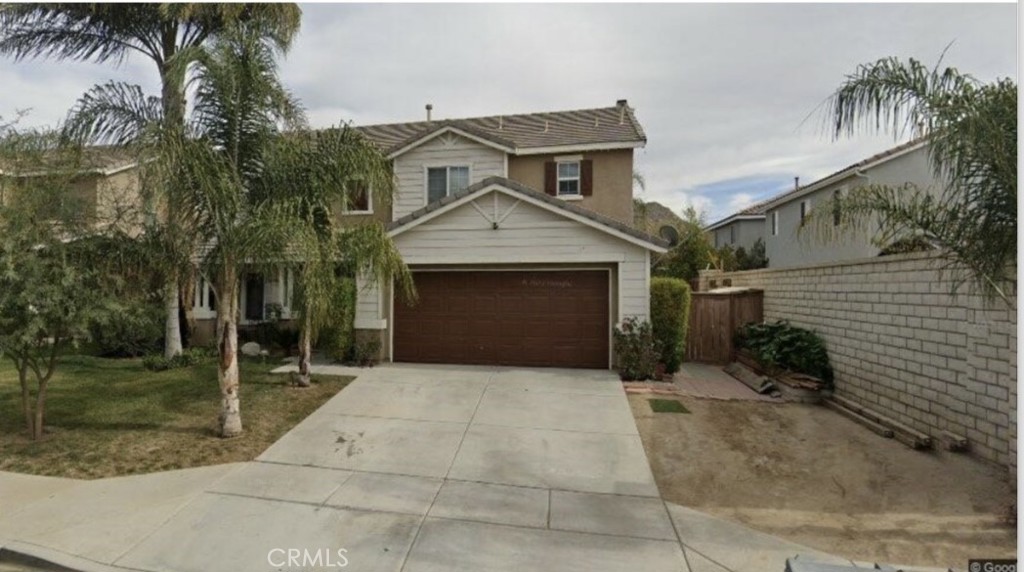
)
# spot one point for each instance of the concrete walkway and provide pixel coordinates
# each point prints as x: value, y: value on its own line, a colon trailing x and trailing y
x: 408, y: 469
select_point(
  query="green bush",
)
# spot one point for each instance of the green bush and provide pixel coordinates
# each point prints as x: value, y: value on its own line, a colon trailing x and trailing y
x: 338, y: 341
x: 635, y: 350
x: 779, y: 345
x: 367, y: 351
x: 127, y: 329
x: 187, y: 358
x: 670, y: 319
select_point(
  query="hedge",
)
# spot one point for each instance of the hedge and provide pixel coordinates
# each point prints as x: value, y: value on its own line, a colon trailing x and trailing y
x: 670, y: 318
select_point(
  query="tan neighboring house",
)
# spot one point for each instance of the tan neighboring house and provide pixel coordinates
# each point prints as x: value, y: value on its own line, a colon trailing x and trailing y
x: 106, y: 183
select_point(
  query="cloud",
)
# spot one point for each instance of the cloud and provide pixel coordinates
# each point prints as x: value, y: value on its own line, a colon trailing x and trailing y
x: 725, y: 92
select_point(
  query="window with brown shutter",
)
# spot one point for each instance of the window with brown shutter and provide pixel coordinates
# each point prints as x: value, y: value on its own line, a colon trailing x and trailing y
x: 551, y: 178
x: 358, y: 198
x: 586, y: 177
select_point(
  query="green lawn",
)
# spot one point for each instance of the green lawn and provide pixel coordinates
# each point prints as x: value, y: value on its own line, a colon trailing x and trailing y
x: 107, y: 417
x: 667, y: 406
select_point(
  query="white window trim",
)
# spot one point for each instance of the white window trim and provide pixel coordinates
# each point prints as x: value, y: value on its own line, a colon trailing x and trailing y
x: 578, y: 195
x: 448, y: 179
x: 775, y: 223
x: 369, y: 203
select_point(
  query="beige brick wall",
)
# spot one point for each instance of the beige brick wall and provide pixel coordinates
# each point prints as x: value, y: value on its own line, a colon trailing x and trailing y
x: 900, y: 344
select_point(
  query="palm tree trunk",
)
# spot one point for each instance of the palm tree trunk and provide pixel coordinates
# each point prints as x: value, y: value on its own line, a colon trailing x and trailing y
x: 227, y: 366
x: 305, y: 349
x: 172, y: 326
x: 188, y: 293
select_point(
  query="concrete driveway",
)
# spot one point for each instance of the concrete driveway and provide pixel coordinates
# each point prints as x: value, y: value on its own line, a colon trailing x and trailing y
x: 408, y: 469
x: 440, y: 468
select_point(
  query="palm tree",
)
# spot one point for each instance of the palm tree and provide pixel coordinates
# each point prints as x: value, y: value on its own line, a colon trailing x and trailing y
x: 170, y: 35
x: 971, y: 131
x: 322, y: 169
x: 256, y: 185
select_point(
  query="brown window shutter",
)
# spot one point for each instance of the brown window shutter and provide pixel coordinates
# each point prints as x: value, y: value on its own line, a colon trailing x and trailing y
x: 551, y: 178
x: 586, y: 177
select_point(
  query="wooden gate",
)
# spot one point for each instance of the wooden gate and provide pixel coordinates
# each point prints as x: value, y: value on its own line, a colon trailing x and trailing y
x: 714, y: 319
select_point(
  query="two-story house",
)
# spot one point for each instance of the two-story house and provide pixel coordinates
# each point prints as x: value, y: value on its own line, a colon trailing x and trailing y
x: 785, y: 214
x: 779, y: 219
x: 518, y: 231
x: 739, y: 230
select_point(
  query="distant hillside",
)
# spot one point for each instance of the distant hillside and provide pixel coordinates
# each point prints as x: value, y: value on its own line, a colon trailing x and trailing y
x: 651, y: 216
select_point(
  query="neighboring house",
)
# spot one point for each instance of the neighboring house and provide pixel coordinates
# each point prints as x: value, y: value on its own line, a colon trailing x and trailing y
x: 784, y: 214
x: 105, y: 183
x: 741, y: 229
x: 518, y: 230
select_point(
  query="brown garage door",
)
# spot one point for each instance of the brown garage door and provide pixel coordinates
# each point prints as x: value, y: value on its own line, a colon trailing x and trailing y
x: 534, y: 318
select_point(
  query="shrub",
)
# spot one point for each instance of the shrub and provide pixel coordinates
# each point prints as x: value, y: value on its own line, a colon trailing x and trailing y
x: 338, y: 341
x: 635, y: 350
x: 187, y: 358
x: 779, y: 345
x: 670, y: 319
x: 366, y: 352
x: 127, y: 329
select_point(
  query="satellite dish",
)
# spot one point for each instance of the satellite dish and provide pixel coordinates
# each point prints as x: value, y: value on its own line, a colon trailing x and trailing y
x: 669, y: 234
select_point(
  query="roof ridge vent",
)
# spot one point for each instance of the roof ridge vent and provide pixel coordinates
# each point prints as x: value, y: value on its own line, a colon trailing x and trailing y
x: 597, y: 121
x: 501, y: 121
x: 545, y: 126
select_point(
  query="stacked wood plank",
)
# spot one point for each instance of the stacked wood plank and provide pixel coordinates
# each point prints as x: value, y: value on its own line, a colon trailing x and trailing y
x: 881, y: 424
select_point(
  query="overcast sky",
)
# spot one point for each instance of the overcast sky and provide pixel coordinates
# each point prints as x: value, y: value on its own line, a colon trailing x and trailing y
x: 729, y: 95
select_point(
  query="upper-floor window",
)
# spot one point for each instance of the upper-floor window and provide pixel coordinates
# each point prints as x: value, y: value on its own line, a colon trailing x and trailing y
x: 569, y: 178
x: 805, y: 209
x: 732, y: 234
x: 444, y: 181
x: 358, y: 198
x: 775, y: 223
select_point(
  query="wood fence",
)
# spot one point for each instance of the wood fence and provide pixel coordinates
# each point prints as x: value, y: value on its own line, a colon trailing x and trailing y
x: 714, y: 319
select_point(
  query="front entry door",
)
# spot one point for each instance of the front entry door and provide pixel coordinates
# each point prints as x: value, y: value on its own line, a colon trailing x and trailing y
x: 254, y: 298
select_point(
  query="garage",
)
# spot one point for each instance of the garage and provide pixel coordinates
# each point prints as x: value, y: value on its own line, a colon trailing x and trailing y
x: 547, y: 318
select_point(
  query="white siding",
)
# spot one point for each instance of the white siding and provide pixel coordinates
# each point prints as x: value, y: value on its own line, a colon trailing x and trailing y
x: 369, y: 305
x: 448, y: 149
x: 528, y: 234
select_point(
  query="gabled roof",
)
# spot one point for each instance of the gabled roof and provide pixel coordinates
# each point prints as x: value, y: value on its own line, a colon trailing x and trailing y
x: 100, y: 159
x: 753, y: 212
x: 589, y: 218
x: 870, y: 162
x: 758, y: 210
x: 528, y: 133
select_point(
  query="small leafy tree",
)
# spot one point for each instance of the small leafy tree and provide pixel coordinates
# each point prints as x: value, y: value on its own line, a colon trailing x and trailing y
x: 48, y: 287
x: 754, y: 258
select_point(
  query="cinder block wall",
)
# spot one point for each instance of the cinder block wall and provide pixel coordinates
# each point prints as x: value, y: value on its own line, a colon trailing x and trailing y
x: 900, y: 344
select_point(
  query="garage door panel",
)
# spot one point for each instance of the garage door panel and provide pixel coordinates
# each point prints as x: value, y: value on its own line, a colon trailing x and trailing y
x: 540, y: 318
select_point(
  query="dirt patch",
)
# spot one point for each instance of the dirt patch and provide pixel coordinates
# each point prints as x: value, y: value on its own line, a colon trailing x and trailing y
x: 807, y: 474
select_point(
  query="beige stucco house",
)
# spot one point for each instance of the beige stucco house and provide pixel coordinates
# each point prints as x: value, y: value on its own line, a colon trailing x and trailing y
x: 518, y: 231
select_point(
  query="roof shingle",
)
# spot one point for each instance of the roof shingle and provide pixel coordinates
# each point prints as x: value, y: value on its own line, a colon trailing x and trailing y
x: 607, y: 125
